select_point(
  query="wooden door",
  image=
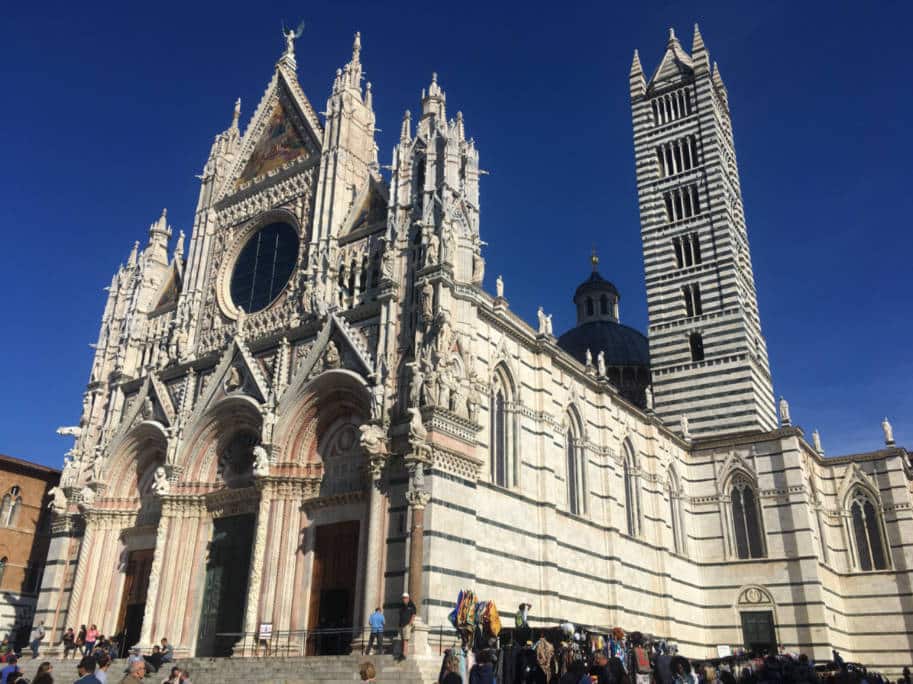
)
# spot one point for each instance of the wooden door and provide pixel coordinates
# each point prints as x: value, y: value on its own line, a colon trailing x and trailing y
x: 332, y: 600
x: 758, y: 631
x: 133, y: 603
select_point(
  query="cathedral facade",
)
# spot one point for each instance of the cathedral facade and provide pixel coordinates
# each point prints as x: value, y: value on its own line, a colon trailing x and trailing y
x: 318, y: 407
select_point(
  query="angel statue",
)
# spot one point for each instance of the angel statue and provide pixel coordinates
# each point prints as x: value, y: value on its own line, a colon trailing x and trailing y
x: 160, y: 483
x: 58, y: 502
x: 290, y: 38
x: 261, y: 461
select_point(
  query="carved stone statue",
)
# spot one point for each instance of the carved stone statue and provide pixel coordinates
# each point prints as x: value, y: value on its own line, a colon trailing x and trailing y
x: 784, y: 412
x: 686, y: 433
x: 448, y: 245
x: 234, y: 379
x: 331, y: 357
x: 415, y: 384
x: 58, y: 502
x: 431, y: 250
x: 473, y: 402
x: 548, y: 324
x: 98, y: 468
x: 386, y: 262
x: 542, y: 325
x: 261, y: 461
x: 69, y: 431
x: 648, y: 395
x: 600, y: 364
x: 160, y: 483
x: 427, y: 303
x: 148, y: 410
x: 499, y: 287
x: 888, y: 432
x: 478, y: 269
x: 816, y: 442
x: 373, y: 440
x: 589, y: 358
x: 239, y: 323
x: 417, y: 431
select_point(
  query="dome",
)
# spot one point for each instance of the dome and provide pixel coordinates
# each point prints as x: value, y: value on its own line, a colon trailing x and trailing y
x: 595, y: 283
x: 623, y: 345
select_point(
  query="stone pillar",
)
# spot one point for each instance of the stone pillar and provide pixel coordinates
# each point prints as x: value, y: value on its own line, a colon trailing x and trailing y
x: 152, y: 593
x: 252, y: 614
x: 53, y: 601
x: 417, y: 499
x: 375, y: 545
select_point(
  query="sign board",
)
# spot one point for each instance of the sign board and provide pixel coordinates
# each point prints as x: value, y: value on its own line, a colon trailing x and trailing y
x: 721, y: 651
x: 266, y: 631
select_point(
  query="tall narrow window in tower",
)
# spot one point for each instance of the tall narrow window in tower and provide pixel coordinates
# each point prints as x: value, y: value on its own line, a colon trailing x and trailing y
x: 9, y: 510
x: 632, y: 498
x: 500, y: 430
x: 870, y: 548
x: 694, y: 243
x: 746, y: 519
x: 589, y: 306
x: 604, y: 305
x: 696, y: 343
x: 679, y: 253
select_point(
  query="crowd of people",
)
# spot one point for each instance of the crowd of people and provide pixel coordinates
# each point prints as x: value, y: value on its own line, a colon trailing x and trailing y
x: 566, y: 654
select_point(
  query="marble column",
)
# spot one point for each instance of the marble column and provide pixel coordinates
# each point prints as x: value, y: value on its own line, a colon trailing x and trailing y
x: 252, y: 614
x: 375, y: 544
x: 152, y: 593
x: 417, y: 499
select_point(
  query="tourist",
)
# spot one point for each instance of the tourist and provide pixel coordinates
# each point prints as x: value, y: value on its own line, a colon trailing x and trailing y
x: 906, y: 676
x: 81, y: 639
x: 36, y: 637
x: 482, y: 672
x: 600, y: 669
x: 10, y: 668
x: 450, y: 670
x: 6, y: 648
x: 576, y: 674
x: 377, y: 623
x: 167, y: 651
x: 185, y: 677
x: 136, y: 656
x: 69, y: 642
x: 174, y: 677
x: 367, y: 672
x: 43, y: 676
x: 135, y: 674
x: 86, y: 670
x: 406, y: 626
x: 103, y: 662
x: 154, y: 660
x: 91, y: 637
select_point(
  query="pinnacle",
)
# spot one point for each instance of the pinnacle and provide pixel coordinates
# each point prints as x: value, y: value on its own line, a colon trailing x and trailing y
x: 672, y: 38
x: 636, y: 68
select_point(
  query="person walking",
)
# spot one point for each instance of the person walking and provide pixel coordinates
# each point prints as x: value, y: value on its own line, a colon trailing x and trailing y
x: 86, y: 670
x: 377, y: 623
x: 406, y: 623
x: 43, y: 676
x: 36, y: 638
x: 81, y: 639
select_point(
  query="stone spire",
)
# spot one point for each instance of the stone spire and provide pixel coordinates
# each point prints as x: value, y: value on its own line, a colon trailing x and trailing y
x: 699, y: 54
x: 179, y: 248
x: 637, y: 80
x: 405, y: 131
x: 236, y: 115
x: 131, y: 260
x: 433, y: 102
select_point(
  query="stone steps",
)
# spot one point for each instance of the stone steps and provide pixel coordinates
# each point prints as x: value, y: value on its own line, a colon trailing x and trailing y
x: 323, y: 669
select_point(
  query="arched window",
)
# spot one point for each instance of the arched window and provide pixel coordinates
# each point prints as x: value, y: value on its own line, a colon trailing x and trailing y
x: 604, y: 304
x: 632, y: 493
x: 589, y: 306
x: 500, y: 430
x: 675, y: 514
x: 746, y: 520
x: 870, y: 548
x: 576, y: 472
x: 9, y: 509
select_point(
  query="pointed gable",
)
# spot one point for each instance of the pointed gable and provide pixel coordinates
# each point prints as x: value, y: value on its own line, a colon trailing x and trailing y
x: 676, y: 64
x: 283, y: 131
x: 369, y: 210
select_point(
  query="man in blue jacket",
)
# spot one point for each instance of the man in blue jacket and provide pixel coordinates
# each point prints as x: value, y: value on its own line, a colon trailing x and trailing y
x: 377, y: 623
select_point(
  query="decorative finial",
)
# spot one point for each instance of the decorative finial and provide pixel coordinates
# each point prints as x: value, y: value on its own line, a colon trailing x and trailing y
x: 369, y: 97
x: 888, y: 432
x: 434, y: 77
x: 594, y: 259
x: 356, y: 45
x: 405, y: 131
x: 290, y: 38
x: 671, y: 34
x: 236, y: 115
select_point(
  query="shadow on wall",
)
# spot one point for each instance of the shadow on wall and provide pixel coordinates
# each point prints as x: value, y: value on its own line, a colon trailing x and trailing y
x: 22, y: 620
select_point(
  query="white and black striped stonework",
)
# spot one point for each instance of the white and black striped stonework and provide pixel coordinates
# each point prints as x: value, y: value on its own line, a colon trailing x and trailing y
x: 707, y: 352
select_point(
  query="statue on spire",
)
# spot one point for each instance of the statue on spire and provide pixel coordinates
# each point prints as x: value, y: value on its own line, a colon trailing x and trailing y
x: 290, y: 38
x: 594, y: 259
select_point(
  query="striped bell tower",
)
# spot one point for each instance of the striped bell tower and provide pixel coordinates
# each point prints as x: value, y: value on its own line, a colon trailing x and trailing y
x: 707, y: 352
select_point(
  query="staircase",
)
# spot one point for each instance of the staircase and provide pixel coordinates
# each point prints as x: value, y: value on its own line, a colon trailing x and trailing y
x: 278, y: 670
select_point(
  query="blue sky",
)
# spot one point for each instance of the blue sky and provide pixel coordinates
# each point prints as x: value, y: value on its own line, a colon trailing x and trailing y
x: 109, y: 112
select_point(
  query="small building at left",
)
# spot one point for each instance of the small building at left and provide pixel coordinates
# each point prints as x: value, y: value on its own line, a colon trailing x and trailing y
x: 25, y: 532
